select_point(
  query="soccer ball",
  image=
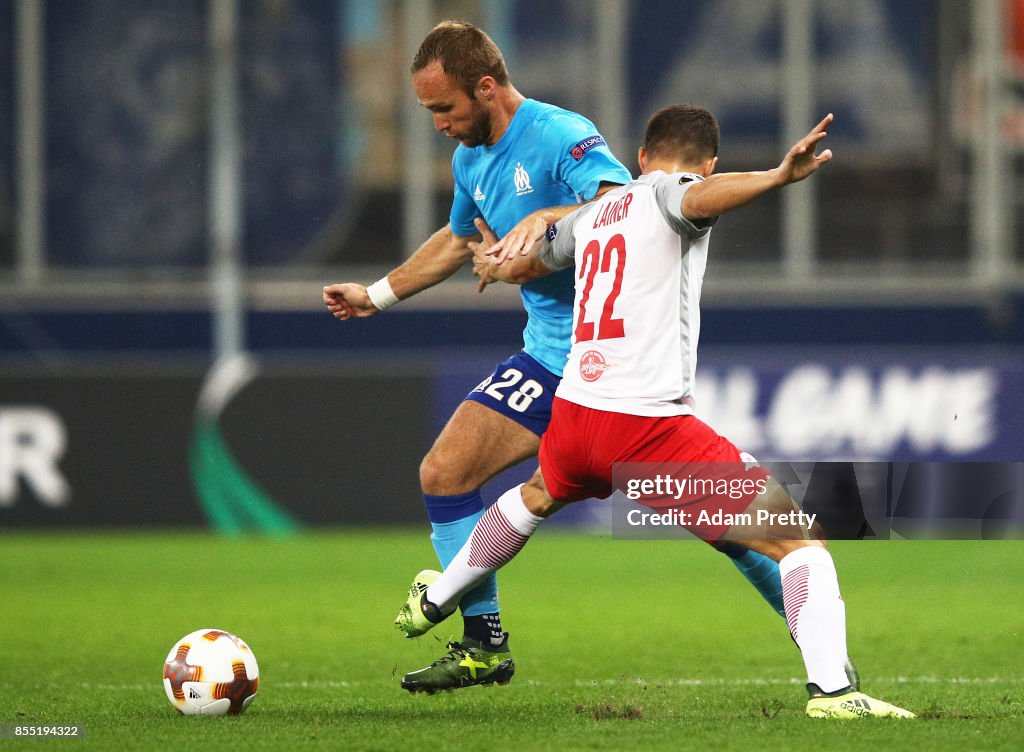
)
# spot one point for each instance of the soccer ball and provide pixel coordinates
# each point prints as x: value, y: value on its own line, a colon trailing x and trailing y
x: 211, y: 672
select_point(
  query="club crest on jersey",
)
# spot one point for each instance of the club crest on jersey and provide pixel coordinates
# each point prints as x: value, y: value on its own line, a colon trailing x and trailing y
x: 522, y: 180
x: 592, y: 366
x: 584, y: 146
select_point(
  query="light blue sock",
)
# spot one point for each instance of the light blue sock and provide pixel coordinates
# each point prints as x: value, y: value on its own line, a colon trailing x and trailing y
x: 450, y: 535
x: 761, y: 571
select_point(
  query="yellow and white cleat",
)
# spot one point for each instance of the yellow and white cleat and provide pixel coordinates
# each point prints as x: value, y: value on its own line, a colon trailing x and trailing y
x: 418, y: 615
x: 853, y: 705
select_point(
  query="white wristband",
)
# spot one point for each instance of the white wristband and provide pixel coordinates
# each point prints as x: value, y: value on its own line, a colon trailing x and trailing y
x: 381, y: 294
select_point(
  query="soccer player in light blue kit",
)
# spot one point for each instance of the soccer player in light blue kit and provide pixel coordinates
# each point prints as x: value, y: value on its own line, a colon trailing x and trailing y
x: 521, y: 165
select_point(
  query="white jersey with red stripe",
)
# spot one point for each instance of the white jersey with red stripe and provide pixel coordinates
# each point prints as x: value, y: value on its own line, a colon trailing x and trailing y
x: 636, y: 320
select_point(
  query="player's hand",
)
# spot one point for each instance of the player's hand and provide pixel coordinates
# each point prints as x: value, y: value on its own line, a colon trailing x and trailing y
x: 482, y: 263
x: 347, y: 300
x: 801, y: 160
x: 482, y: 266
x: 520, y: 239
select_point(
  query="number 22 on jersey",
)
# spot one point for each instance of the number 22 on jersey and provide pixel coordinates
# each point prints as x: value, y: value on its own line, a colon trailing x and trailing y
x: 597, y: 259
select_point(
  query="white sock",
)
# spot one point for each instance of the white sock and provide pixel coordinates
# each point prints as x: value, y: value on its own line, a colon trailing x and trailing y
x: 816, y: 615
x: 499, y: 535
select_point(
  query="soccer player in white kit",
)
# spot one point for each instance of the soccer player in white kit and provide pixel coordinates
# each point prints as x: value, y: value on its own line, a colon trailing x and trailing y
x: 627, y: 391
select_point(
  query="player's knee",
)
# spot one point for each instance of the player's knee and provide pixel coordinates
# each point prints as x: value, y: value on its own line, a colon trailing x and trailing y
x: 536, y: 498
x: 775, y: 516
x: 443, y: 477
x: 433, y: 476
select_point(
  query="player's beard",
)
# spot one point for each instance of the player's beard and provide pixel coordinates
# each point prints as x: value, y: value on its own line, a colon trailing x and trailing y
x: 479, y: 133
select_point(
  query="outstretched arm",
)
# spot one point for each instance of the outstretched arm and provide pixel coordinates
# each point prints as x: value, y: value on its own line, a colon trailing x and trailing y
x: 434, y: 261
x: 720, y: 193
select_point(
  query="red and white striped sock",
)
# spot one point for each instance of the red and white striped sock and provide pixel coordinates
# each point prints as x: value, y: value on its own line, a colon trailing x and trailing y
x: 499, y: 535
x: 816, y: 615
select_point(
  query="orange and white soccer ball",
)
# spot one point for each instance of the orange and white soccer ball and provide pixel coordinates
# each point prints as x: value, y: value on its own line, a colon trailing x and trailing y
x: 211, y: 672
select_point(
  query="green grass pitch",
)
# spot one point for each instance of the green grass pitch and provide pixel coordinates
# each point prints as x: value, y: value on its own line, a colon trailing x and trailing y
x: 619, y: 645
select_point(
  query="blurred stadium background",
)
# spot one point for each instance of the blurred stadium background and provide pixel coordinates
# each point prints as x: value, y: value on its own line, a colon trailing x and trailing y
x: 178, y: 181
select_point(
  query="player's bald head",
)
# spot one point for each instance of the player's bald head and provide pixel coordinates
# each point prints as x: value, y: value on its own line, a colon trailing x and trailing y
x: 682, y: 132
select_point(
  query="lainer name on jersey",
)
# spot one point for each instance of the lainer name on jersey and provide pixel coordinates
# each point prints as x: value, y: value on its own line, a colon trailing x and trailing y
x: 616, y: 211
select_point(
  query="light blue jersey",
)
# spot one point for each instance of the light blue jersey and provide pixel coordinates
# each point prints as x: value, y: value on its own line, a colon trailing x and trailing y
x: 547, y: 157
